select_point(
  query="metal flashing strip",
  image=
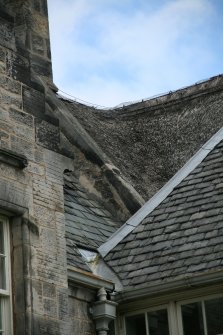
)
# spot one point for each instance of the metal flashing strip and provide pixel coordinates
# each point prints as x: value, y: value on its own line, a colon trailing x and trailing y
x: 150, y: 205
x: 89, y: 279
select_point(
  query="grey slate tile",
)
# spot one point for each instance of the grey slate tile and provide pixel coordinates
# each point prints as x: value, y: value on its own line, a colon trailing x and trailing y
x: 86, y: 222
x: 197, y: 267
x: 196, y: 237
x: 161, y: 217
x: 135, y: 280
x: 212, y: 233
x: 181, y: 241
x: 189, y: 240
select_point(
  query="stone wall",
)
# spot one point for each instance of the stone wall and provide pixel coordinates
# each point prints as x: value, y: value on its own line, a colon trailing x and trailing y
x: 32, y: 195
x: 80, y: 321
x: 24, y: 31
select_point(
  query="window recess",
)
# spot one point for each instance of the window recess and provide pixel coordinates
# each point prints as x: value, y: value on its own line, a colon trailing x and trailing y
x: 204, y: 317
x: 148, y: 323
x: 5, y: 279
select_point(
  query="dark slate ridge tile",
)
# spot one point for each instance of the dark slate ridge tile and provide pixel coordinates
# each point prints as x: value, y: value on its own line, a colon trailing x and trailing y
x: 182, y: 236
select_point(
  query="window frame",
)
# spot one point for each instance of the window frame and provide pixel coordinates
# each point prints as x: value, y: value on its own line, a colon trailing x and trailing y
x: 194, y: 300
x: 145, y: 311
x: 5, y: 294
x: 175, y: 321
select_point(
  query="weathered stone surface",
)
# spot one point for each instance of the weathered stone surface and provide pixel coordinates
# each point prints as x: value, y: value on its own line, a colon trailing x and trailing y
x: 50, y: 308
x: 4, y: 115
x: 10, y: 100
x: 37, y: 296
x: 2, y: 67
x: 10, y: 85
x: 44, y: 7
x: 63, y: 307
x: 47, y: 194
x: 47, y: 134
x: 22, y: 146
x: 12, y: 192
x: 6, y: 31
x: 37, y: 5
x: 40, y: 24
x: 4, y: 135
x: 24, y: 132
x: 38, y: 44
x: 5, y: 126
x: 41, y: 66
x: 17, y: 67
x: 47, y: 327
x: 80, y: 321
x: 2, y: 54
x: 36, y: 169
x: 49, y: 290
x: 33, y: 102
x: 21, y: 117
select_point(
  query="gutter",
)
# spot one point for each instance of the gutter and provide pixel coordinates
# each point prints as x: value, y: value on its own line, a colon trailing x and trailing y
x: 89, y: 279
x: 196, y: 281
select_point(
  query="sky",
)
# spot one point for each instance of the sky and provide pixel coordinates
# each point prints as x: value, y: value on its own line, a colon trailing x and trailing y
x: 108, y: 52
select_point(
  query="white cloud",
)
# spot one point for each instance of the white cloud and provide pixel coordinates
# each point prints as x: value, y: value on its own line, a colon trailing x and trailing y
x: 154, y: 50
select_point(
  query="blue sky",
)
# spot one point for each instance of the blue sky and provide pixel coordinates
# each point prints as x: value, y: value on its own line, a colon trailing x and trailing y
x: 112, y: 51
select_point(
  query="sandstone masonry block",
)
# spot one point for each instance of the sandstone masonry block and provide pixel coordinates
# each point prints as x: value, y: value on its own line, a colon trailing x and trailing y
x: 21, y: 117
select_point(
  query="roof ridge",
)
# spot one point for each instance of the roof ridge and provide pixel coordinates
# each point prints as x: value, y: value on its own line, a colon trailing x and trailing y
x: 151, y: 204
x: 204, y: 87
x: 121, y: 109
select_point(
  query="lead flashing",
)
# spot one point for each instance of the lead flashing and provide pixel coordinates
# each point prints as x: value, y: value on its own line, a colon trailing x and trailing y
x: 150, y: 205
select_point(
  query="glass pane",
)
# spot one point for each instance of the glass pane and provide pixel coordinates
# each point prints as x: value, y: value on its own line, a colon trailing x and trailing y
x: 2, y: 273
x: 192, y: 319
x: 135, y: 325
x: 158, y: 323
x: 1, y: 239
x: 214, y: 316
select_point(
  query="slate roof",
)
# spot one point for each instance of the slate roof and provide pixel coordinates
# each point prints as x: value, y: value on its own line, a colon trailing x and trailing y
x: 181, y: 237
x: 88, y: 223
x: 160, y: 132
